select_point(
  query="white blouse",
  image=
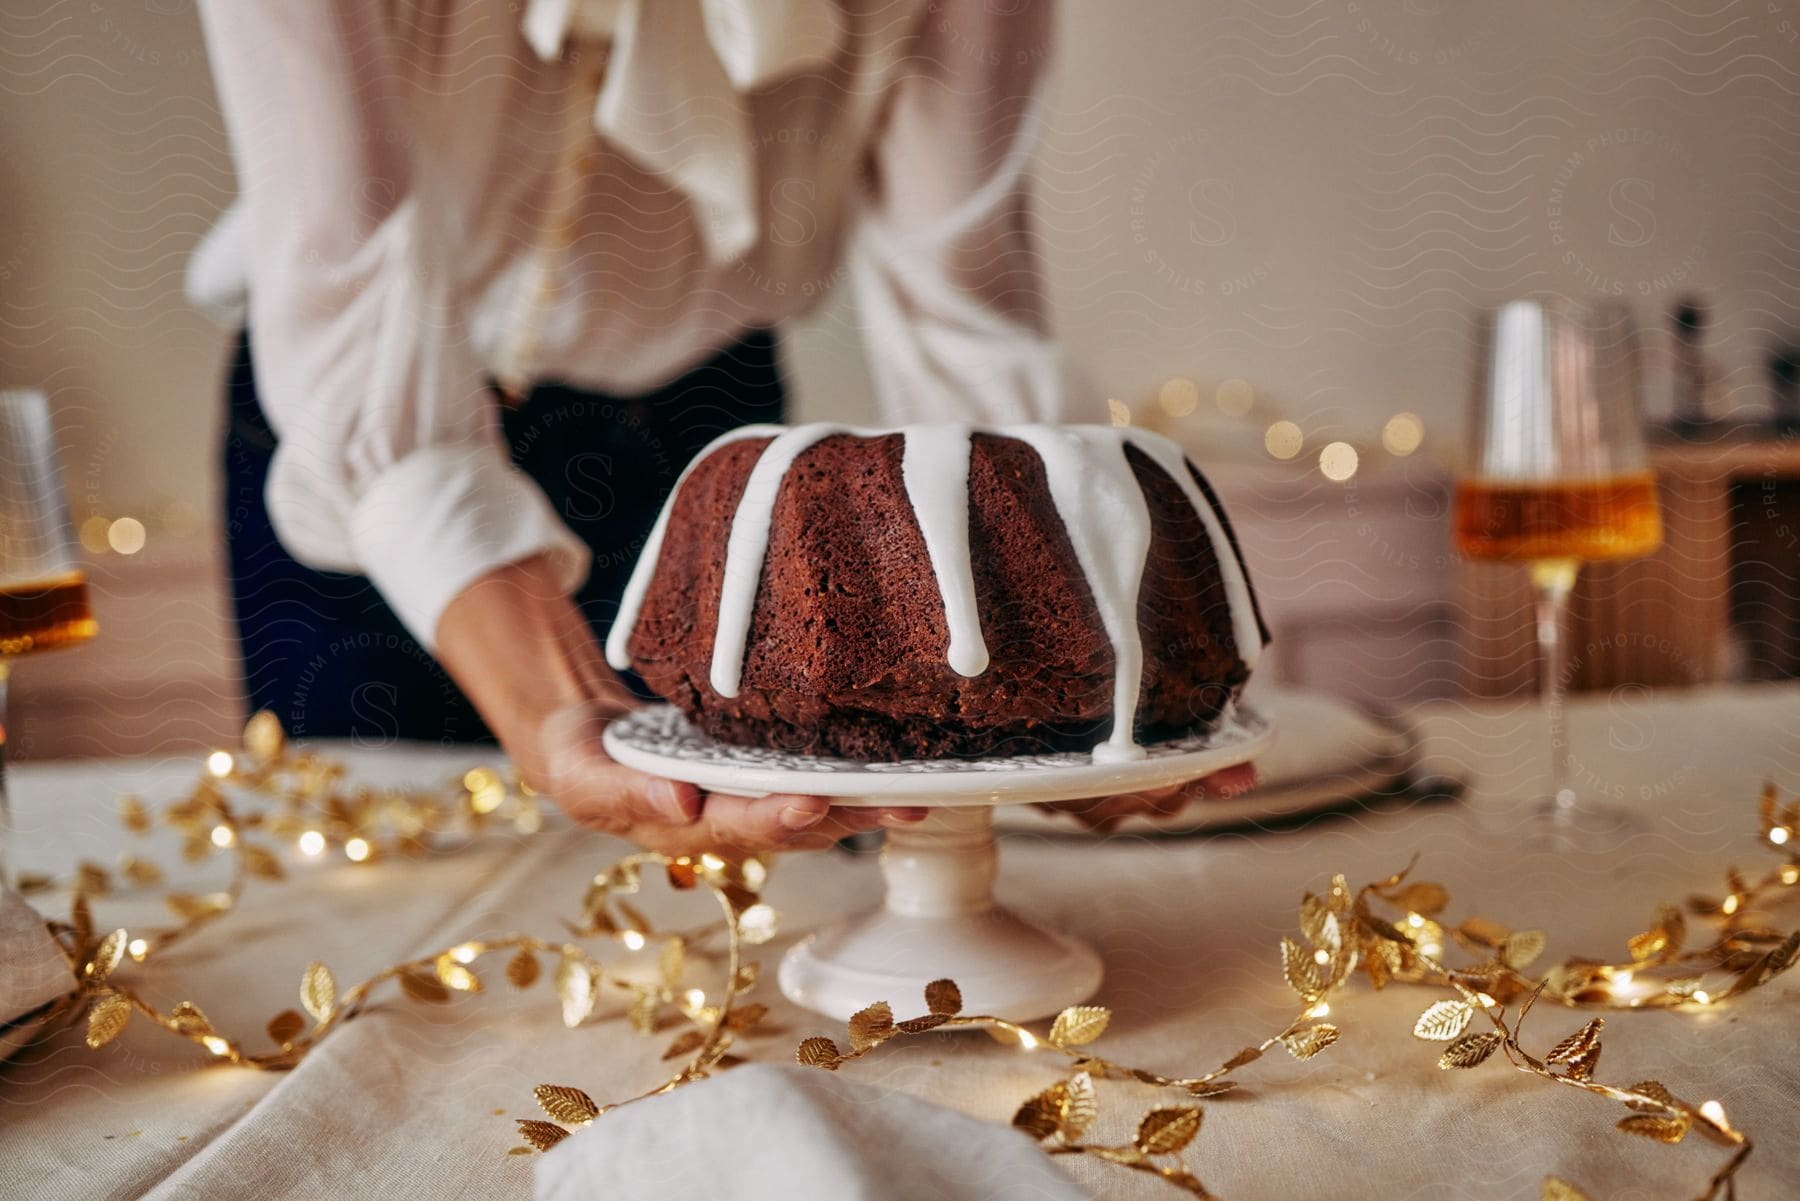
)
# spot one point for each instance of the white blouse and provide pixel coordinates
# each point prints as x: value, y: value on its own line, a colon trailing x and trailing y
x: 436, y: 194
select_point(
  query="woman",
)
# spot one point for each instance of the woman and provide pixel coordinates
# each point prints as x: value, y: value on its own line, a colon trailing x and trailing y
x: 507, y: 271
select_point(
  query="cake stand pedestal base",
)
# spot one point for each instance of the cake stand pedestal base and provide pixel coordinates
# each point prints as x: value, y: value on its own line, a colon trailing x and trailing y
x: 940, y: 920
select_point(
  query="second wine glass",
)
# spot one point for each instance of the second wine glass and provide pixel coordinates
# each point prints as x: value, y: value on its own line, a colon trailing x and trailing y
x: 1557, y: 476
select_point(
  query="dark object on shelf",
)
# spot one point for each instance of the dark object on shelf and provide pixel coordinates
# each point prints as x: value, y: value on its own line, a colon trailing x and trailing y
x: 1784, y: 387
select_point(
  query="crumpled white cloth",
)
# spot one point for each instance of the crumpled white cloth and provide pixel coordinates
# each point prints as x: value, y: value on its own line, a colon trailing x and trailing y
x: 676, y: 75
x: 33, y: 972
x: 786, y: 1133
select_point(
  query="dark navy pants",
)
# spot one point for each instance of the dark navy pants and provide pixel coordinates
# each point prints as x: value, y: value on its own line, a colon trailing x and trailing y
x: 324, y: 651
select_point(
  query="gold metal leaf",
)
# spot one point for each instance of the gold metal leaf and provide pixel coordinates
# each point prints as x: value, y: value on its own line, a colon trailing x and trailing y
x: 685, y: 1043
x: 743, y: 1017
x: 1166, y: 1131
x: 575, y: 990
x: 1655, y: 1126
x: 642, y: 1015
x: 1576, y: 1045
x: 107, y: 1018
x: 422, y: 987
x: 318, y: 991
x: 565, y: 1103
x: 746, y: 977
x: 1558, y: 1189
x: 919, y: 1025
x: 1656, y: 1090
x: 263, y: 737
x: 635, y: 920
x: 818, y: 1052
x: 1424, y: 898
x: 190, y: 908
x: 542, y: 1135
x: 1247, y: 1055
x: 1520, y: 948
x: 1470, y: 1050
x: 1041, y: 1116
x: 1079, y: 1025
x: 106, y: 956
x: 261, y: 863
x: 1300, y: 970
x: 188, y: 1020
x: 1079, y: 1108
x: 1443, y: 1021
x: 872, y: 1025
x: 1482, y: 932
x: 943, y: 997
x: 140, y: 871
x: 285, y: 1027
x: 91, y: 879
x: 134, y: 815
x: 1209, y: 1088
x: 1304, y: 1044
x: 1583, y: 1065
x: 81, y: 918
x: 1313, y: 915
x: 522, y: 969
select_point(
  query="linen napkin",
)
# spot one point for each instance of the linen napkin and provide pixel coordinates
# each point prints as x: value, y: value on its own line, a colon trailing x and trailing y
x: 33, y: 972
x: 764, y: 1132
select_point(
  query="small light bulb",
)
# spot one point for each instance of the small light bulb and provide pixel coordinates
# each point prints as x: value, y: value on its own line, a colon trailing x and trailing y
x: 1731, y: 904
x: 1485, y: 1001
x: 137, y: 948
x: 1702, y: 996
x: 464, y: 954
x: 1414, y: 920
x: 1790, y: 874
x: 1337, y: 462
x: 1284, y: 440
x: 695, y: 998
x: 312, y: 843
x: 216, y: 1045
x: 632, y: 940
x: 1779, y: 835
x: 126, y: 535
x: 1622, y: 978
x: 357, y: 850
x: 1028, y: 1040
x: 1714, y: 1112
x: 222, y: 836
x: 712, y: 862
x: 220, y: 763
x: 1322, y: 1009
x: 1321, y: 957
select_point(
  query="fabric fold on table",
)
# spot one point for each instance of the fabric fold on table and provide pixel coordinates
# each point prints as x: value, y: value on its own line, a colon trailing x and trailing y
x: 33, y: 972
x: 768, y: 1132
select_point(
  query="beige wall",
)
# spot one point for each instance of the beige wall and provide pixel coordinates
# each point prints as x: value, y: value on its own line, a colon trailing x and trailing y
x: 1314, y: 197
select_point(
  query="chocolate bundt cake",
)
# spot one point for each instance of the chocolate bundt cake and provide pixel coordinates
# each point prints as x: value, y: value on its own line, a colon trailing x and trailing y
x: 941, y: 591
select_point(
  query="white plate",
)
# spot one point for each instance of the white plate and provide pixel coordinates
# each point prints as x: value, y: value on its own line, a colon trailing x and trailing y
x: 660, y: 740
x: 1331, y: 752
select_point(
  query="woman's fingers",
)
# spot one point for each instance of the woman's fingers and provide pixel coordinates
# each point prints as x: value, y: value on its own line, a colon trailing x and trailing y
x: 596, y: 791
x: 1101, y: 813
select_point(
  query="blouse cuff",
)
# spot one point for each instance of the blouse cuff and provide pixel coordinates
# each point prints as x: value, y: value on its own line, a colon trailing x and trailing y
x: 442, y: 517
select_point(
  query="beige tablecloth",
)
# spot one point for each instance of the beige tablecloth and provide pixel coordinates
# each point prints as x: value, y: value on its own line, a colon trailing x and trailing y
x: 418, y: 1101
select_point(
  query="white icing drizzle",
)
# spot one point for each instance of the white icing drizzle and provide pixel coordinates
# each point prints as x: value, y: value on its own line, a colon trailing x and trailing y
x: 1245, y: 630
x: 1095, y: 493
x: 935, y: 467
x: 1108, y: 522
x: 747, y: 548
x: 632, y: 603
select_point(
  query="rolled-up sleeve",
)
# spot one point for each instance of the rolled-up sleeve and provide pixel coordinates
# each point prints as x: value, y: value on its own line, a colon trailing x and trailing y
x: 390, y: 461
x: 942, y: 258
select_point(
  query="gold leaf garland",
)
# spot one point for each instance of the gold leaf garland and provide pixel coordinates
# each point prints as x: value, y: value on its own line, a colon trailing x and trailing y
x: 308, y: 802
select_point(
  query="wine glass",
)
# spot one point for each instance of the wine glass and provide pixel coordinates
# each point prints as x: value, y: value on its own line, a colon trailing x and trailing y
x: 43, y: 591
x: 1557, y: 477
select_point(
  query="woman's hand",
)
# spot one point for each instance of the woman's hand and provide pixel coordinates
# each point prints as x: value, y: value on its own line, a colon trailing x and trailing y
x: 1103, y: 813
x: 526, y: 657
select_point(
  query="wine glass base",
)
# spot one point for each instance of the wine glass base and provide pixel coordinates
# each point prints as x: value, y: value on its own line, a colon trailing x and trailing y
x: 1565, y: 825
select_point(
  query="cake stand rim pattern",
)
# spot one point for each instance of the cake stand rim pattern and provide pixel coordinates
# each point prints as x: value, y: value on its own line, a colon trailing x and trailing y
x: 659, y: 739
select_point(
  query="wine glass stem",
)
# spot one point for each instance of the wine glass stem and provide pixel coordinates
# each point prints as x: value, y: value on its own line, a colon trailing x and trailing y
x: 1551, y: 582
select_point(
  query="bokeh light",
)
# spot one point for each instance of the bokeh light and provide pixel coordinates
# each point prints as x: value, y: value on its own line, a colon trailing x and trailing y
x: 1337, y: 461
x: 1235, y: 397
x: 1284, y: 439
x: 1402, y: 434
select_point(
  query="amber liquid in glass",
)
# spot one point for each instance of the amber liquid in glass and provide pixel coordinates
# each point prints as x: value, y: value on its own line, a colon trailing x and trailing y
x: 1585, y: 520
x: 37, y: 615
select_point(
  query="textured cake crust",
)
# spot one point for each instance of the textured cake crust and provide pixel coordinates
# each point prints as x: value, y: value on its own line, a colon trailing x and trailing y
x: 847, y: 646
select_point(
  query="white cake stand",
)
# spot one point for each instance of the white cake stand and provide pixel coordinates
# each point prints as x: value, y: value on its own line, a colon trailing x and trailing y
x: 940, y: 917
